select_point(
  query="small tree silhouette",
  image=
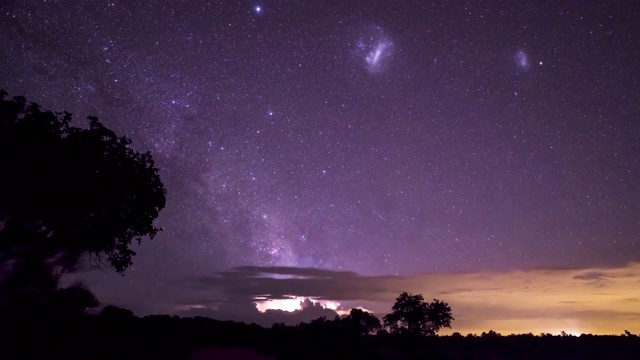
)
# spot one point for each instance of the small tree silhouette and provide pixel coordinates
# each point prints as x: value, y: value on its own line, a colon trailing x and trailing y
x: 412, y: 316
x: 438, y: 316
x: 72, y: 300
x: 360, y: 322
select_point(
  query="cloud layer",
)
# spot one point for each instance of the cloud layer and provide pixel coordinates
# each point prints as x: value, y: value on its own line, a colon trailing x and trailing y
x: 580, y: 300
x: 577, y: 300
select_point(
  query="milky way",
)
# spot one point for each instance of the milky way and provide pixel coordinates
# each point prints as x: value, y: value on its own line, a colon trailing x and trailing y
x: 380, y: 138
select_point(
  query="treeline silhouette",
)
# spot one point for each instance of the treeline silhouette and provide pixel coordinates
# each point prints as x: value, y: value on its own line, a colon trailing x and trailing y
x: 115, y: 333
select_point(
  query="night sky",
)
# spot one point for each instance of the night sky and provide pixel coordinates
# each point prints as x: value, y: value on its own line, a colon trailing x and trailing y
x: 385, y: 139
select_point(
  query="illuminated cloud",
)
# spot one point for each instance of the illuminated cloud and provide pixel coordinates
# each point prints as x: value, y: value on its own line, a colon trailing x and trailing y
x: 292, y: 303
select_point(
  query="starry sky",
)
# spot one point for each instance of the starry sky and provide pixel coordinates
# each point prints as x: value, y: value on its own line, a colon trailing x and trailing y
x: 386, y: 138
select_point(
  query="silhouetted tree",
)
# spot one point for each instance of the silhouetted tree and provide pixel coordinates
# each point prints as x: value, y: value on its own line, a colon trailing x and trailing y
x: 65, y: 192
x: 360, y: 322
x: 72, y: 300
x: 491, y: 333
x: 320, y: 327
x: 412, y: 316
x: 438, y: 315
x: 114, y: 312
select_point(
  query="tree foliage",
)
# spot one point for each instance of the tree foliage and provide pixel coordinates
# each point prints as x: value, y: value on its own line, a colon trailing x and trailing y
x: 356, y: 324
x: 67, y: 191
x: 411, y: 315
x: 360, y: 322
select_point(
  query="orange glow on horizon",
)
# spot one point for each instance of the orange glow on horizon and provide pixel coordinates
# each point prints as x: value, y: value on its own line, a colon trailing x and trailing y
x: 576, y: 301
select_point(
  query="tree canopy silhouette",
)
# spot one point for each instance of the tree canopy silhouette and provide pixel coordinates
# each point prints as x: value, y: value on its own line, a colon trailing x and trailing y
x: 360, y: 322
x: 67, y: 191
x: 411, y: 315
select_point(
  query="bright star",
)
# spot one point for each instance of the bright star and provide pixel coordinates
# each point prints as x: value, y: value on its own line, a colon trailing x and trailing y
x: 258, y: 9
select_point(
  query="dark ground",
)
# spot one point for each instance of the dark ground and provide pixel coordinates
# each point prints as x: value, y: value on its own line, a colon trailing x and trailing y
x: 117, y: 334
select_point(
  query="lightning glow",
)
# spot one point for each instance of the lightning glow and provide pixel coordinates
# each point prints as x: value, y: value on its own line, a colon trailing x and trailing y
x: 291, y: 303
